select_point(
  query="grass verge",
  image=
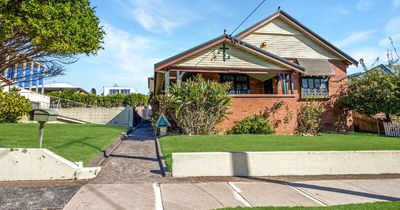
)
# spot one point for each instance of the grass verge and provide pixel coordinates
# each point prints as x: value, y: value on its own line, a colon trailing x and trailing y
x: 71, y: 141
x: 255, y: 143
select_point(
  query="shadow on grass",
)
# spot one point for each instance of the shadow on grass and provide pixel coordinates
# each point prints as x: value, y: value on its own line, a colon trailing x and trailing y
x: 79, y: 141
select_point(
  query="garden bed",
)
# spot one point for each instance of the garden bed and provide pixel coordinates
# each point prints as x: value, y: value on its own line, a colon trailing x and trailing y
x: 255, y: 143
x: 71, y: 141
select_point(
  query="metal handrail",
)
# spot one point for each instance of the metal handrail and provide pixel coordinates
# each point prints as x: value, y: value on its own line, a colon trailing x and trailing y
x: 59, y: 102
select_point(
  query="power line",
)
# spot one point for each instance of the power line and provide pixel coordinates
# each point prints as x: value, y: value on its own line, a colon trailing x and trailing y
x: 262, y: 2
x: 247, y: 17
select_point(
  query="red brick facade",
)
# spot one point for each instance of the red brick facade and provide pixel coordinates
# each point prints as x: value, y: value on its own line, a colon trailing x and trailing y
x: 256, y: 102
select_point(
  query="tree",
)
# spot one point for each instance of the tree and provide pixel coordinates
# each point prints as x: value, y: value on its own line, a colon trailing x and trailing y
x: 195, y: 106
x: 93, y: 91
x: 51, y: 33
x: 374, y: 92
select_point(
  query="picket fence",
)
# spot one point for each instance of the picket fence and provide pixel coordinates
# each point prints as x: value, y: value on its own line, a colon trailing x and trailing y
x: 391, y: 129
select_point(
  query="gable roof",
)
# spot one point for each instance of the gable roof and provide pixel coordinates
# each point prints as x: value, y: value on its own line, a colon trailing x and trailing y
x: 378, y: 67
x: 232, y: 40
x: 293, y: 21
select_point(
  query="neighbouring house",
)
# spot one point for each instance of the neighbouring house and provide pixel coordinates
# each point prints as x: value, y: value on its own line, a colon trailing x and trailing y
x: 25, y: 75
x: 112, y: 90
x: 23, y: 78
x: 276, y: 59
x: 150, y: 85
x: 379, y: 67
x: 58, y: 86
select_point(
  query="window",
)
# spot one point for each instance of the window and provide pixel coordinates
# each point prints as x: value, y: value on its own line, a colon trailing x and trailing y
x: 114, y: 91
x: 240, y: 83
x: 314, y: 87
x: 125, y: 91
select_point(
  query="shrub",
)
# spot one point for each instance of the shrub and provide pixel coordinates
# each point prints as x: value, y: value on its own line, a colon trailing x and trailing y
x: 372, y: 93
x: 196, y: 106
x: 12, y: 107
x: 118, y: 100
x: 309, y: 118
x: 254, y: 124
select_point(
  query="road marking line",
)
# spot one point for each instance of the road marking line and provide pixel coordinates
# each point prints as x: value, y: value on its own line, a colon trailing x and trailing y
x: 236, y: 192
x: 307, y: 195
x: 157, y: 193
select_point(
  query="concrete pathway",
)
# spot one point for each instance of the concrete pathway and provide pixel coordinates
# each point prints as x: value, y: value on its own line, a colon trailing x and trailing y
x: 135, y: 160
x: 214, y: 195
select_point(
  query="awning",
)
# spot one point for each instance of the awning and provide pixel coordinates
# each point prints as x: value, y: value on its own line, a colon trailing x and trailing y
x: 262, y: 77
x: 316, y: 67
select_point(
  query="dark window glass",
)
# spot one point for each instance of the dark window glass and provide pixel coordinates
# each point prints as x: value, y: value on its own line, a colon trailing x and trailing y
x: 317, y: 83
x: 311, y: 83
x: 240, y: 83
x: 314, y: 87
x: 304, y: 84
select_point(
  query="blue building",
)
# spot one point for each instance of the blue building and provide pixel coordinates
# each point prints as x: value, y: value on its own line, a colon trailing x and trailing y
x: 26, y: 76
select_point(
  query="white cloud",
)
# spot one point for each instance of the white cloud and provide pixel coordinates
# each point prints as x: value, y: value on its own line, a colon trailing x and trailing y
x: 129, y: 58
x: 385, y: 42
x: 355, y: 37
x: 369, y: 55
x: 158, y: 16
x: 396, y: 4
x: 393, y: 26
x: 363, y: 5
x: 341, y: 10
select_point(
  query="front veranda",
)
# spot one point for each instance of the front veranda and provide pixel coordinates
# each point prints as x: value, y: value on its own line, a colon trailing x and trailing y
x: 254, y: 91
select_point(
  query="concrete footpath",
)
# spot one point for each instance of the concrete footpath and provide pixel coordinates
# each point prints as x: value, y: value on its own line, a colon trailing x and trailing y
x: 214, y: 195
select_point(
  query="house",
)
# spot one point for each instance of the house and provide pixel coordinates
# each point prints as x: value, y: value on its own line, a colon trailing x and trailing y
x: 58, y: 86
x: 379, y: 67
x: 276, y: 59
x: 25, y: 75
x: 125, y: 90
x: 150, y: 85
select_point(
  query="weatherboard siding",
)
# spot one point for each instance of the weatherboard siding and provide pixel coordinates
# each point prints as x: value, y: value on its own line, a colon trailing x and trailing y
x: 240, y: 59
x: 288, y: 42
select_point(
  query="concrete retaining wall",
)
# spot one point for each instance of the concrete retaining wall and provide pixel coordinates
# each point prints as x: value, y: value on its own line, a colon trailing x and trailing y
x: 285, y: 163
x: 99, y: 115
x: 40, y: 164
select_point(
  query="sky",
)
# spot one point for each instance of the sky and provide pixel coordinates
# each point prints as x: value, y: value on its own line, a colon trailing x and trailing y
x: 140, y: 33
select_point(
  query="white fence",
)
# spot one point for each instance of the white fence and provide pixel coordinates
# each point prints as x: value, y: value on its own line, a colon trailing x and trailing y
x: 392, y: 129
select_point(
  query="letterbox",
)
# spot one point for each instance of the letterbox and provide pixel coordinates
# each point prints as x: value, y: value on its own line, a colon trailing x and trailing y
x: 43, y: 115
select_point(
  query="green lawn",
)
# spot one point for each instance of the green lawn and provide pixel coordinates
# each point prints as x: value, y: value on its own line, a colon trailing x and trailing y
x: 252, y: 143
x: 366, y: 206
x: 73, y: 142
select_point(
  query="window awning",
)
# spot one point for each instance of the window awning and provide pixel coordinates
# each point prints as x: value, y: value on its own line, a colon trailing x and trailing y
x: 316, y: 67
x: 262, y: 77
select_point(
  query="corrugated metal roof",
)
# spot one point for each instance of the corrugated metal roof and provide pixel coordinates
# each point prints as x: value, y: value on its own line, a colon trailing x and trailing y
x: 316, y: 67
